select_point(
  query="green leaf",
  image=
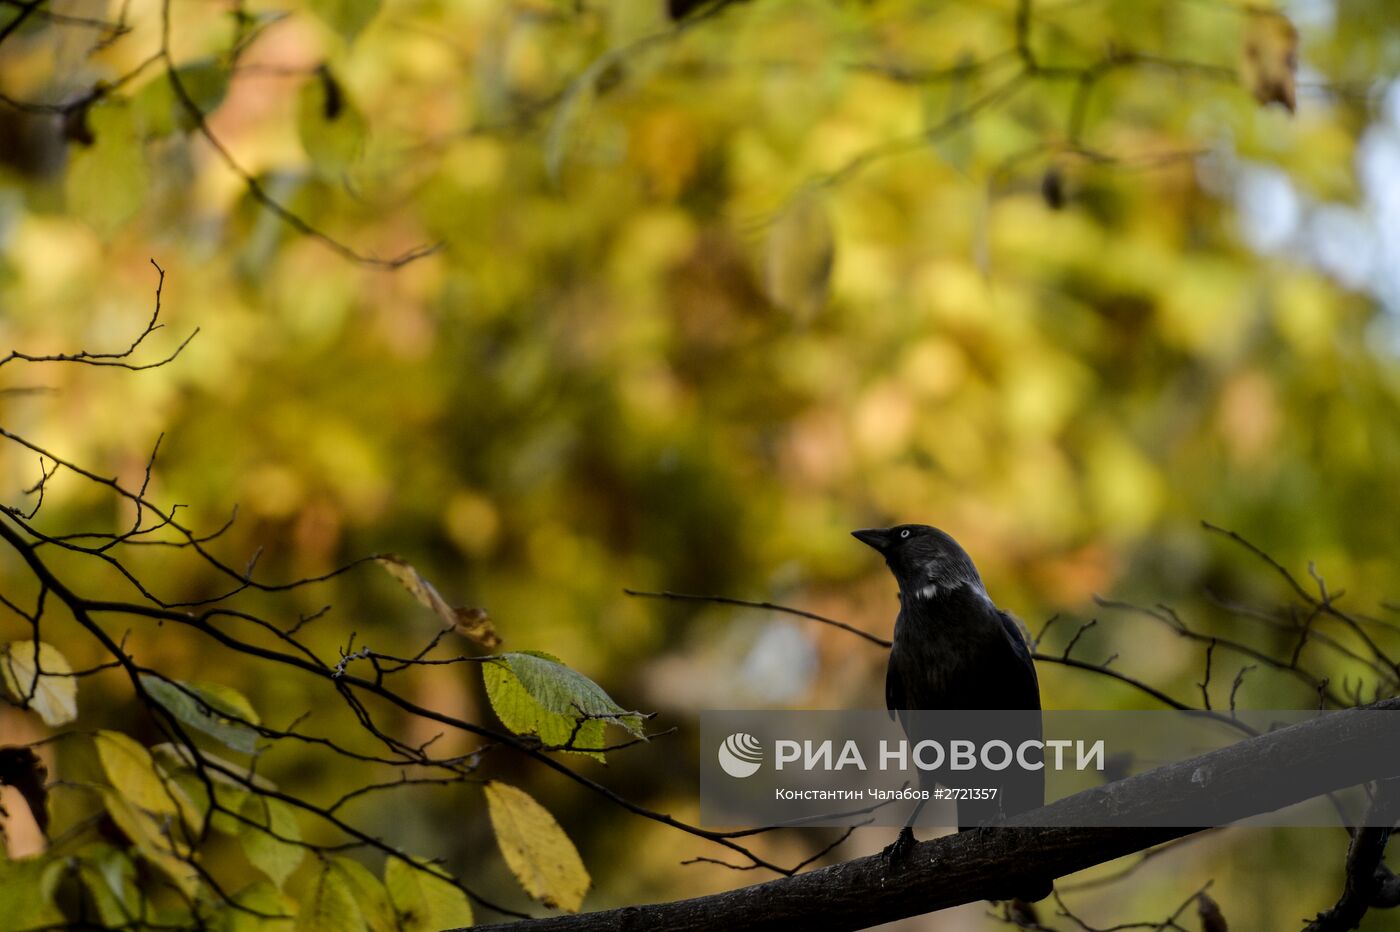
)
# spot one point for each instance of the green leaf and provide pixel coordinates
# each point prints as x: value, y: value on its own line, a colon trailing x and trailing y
x: 329, y: 906
x: 27, y: 892
x: 369, y: 892
x: 108, y: 182
x: 231, y: 799
x: 577, y: 99
x: 536, y: 849
x: 158, y: 110
x: 347, y: 17
x: 44, y: 688
x: 208, y: 710
x: 275, y: 857
x: 423, y: 898
x: 533, y: 693
x: 178, y: 757
x: 568, y: 692
x: 331, y: 127
x: 109, y: 876
x: 264, y: 898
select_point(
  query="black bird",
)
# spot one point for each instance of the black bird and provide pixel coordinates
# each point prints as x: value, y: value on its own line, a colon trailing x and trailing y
x: 955, y: 650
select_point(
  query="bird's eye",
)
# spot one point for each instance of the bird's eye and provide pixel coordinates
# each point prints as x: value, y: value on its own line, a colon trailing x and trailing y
x: 904, y: 533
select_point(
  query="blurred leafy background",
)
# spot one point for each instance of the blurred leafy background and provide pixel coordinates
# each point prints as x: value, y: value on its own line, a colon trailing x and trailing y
x: 709, y: 292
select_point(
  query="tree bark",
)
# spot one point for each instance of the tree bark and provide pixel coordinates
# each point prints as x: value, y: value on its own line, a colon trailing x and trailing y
x: 1356, y: 746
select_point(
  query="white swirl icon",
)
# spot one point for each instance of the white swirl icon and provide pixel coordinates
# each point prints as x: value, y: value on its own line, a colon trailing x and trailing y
x: 740, y: 755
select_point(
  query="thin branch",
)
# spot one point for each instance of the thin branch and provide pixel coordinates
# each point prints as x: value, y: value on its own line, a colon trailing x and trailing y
x: 120, y: 358
x: 766, y: 606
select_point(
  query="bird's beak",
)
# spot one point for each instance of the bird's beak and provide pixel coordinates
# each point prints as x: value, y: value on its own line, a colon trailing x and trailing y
x: 879, y: 538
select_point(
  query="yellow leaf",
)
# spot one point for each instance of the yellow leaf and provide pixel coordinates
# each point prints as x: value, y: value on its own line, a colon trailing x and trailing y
x: 152, y: 842
x: 370, y: 895
x: 1270, y: 60
x: 475, y: 623
x: 263, y: 898
x: 49, y: 689
x: 133, y: 774
x: 330, y: 905
x: 536, y: 849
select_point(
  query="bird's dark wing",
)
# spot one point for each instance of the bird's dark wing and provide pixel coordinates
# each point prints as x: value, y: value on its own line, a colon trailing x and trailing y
x: 894, y: 686
x: 1026, y: 688
x: 1023, y: 791
x: 896, y: 690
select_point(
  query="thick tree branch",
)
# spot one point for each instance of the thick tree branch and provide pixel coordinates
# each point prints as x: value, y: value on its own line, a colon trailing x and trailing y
x: 1241, y: 780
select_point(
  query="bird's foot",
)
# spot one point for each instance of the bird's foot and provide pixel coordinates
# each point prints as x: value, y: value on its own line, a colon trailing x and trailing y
x: 898, y: 850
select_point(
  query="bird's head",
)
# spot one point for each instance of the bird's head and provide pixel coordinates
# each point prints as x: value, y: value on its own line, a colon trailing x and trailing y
x: 924, y: 560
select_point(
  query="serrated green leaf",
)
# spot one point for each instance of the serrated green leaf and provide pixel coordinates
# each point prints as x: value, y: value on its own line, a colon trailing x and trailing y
x: 329, y: 906
x: 423, y: 899
x: 533, y: 693
x: 207, y: 710
x: 524, y: 715
x: 274, y: 856
x: 536, y: 849
x: 44, y: 688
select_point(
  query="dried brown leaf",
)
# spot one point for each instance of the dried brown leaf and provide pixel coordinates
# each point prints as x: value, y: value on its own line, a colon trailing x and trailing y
x: 473, y: 623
